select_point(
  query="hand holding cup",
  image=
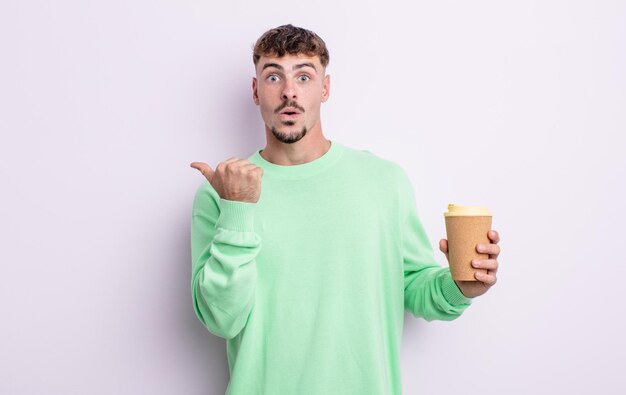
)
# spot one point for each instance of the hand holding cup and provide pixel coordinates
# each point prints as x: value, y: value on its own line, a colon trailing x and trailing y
x: 471, y: 248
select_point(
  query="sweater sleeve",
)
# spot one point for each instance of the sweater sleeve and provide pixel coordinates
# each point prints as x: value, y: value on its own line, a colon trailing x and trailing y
x: 224, y: 247
x: 429, y: 290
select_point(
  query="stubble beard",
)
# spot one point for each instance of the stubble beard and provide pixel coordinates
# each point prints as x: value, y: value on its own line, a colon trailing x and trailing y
x: 289, y: 138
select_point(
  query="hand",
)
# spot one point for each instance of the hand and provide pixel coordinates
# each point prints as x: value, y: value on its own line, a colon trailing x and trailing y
x: 234, y: 179
x: 485, y: 280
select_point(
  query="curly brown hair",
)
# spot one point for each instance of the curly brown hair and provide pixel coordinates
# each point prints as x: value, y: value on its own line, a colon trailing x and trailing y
x: 292, y: 40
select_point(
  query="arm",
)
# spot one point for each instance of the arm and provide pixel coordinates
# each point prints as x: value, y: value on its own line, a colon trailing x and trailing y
x: 429, y: 290
x: 223, y: 249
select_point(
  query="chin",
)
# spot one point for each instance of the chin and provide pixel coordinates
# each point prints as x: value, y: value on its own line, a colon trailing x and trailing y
x: 289, y: 136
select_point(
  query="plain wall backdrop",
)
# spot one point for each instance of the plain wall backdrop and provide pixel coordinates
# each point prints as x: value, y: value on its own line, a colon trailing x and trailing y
x: 515, y: 105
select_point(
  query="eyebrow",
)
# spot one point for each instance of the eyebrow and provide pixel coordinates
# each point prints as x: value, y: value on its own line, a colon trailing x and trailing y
x: 307, y: 64
x: 296, y: 67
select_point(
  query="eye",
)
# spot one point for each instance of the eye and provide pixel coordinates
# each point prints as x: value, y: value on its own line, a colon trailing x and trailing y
x: 273, y: 78
x: 304, y: 78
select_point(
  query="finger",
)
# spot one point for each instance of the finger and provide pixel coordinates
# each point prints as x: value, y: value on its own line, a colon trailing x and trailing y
x: 248, y: 166
x: 251, y: 169
x: 443, y: 246
x: 491, y: 249
x: 489, y: 264
x: 241, y: 162
x: 224, y: 165
x: 494, y: 236
x: 204, y: 168
x: 488, y: 279
x: 235, y: 163
x: 233, y: 159
x: 259, y: 171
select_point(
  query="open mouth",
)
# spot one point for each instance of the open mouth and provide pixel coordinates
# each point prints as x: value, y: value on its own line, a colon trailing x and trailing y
x: 290, y: 111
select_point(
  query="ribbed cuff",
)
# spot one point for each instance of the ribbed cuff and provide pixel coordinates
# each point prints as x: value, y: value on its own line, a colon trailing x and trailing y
x: 235, y: 215
x: 451, y: 292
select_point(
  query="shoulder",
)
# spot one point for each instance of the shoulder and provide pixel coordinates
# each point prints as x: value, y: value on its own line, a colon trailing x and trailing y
x: 376, y: 165
x: 384, y: 173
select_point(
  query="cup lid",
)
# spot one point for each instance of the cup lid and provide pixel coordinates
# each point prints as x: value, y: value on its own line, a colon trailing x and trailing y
x: 457, y: 211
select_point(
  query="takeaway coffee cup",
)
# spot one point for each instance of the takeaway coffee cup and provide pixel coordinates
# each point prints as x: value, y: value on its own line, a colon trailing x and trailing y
x: 466, y: 226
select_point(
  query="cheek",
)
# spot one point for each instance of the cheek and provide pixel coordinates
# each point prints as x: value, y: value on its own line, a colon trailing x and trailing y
x: 264, y: 109
x: 267, y: 112
x: 263, y: 97
x: 267, y: 96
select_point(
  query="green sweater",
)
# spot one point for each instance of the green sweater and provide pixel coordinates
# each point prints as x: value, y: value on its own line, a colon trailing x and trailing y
x: 309, y: 285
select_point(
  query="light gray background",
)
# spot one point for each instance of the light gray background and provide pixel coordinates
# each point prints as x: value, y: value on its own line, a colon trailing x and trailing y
x: 518, y: 106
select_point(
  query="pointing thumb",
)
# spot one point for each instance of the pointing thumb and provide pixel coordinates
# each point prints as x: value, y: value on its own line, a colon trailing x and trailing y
x: 204, y: 169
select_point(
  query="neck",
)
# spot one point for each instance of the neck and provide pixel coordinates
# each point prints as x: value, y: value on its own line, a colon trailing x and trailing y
x: 307, y: 149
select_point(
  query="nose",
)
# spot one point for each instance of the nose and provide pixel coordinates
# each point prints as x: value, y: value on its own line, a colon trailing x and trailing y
x: 289, y: 91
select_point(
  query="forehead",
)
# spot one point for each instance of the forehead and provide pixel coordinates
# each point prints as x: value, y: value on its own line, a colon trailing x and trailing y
x: 289, y: 63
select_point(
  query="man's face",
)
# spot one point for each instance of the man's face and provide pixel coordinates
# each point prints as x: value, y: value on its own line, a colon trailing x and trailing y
x: 289, y: 91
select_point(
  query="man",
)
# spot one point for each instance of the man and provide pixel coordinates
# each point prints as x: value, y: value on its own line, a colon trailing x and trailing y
x: 306, y: 254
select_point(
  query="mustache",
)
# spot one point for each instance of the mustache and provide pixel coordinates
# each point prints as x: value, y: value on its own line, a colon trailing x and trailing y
x: 289, y: 104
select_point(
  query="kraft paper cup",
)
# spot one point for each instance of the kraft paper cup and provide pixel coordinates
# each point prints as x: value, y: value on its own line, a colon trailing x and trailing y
x: 466, y: 226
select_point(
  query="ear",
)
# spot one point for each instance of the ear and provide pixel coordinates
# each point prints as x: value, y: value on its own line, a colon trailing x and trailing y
x: 326, y: 88
x: 255, y: 95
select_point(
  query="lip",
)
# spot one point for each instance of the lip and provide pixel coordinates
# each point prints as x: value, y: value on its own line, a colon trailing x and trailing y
x: 290, y: 109
x: 282, y: 114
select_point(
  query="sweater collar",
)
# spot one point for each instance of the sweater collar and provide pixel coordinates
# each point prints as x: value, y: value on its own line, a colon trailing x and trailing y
x: 303, y: 170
